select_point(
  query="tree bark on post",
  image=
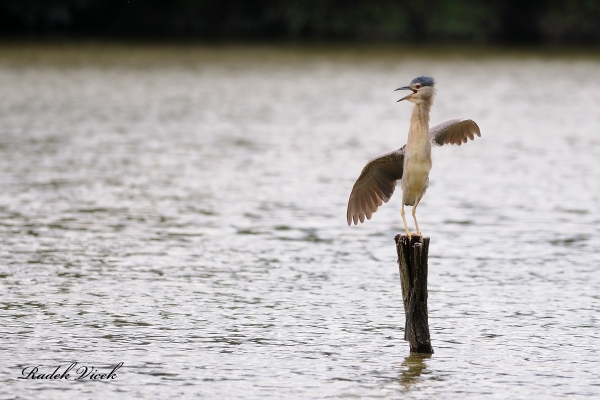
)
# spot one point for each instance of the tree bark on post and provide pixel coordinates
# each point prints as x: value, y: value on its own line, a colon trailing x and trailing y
x: 412, y: 261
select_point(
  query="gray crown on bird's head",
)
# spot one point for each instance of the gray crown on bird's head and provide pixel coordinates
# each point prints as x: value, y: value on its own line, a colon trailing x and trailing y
x: 424, y: 81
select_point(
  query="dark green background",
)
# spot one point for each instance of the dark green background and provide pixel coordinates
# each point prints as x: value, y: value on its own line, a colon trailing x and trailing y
x: 411, y: 21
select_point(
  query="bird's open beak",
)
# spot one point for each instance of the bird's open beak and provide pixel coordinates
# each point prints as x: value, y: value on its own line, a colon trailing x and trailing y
x: 405, y: 88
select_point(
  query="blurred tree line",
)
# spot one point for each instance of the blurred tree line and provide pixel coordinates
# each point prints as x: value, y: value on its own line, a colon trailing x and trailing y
x: 432, y: 21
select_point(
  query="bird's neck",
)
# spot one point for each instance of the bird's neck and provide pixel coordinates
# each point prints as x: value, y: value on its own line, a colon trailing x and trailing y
x: 418, y: 134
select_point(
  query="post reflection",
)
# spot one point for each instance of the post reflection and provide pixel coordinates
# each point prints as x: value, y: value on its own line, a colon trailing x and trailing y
x: 412, y: 367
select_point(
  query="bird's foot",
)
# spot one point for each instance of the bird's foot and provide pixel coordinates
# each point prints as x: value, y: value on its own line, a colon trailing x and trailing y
x: 410, y: 235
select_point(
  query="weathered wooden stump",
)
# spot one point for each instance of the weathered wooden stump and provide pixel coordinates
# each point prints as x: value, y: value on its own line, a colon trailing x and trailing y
x: 412, y: 260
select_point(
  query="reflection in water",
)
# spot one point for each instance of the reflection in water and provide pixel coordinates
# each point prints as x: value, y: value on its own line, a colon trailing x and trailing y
x: 412, y: 368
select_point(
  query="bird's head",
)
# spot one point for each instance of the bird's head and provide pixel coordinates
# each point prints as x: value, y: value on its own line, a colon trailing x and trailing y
x: 422, y: 90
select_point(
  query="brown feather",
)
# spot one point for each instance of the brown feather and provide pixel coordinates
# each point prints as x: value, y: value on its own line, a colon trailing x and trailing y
x: 454, y: 131
x: 374, y: 186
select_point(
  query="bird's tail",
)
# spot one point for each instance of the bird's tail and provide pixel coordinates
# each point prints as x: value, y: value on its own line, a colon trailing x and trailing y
x: 410, y: 200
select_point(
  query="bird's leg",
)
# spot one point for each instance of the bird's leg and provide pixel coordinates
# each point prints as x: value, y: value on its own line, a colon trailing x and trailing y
x: 404, y: 220
x: 414, y: 214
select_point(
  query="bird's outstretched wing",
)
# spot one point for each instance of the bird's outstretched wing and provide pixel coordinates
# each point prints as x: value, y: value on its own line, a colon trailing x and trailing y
x: 454, y: 131
x: 375, y: 185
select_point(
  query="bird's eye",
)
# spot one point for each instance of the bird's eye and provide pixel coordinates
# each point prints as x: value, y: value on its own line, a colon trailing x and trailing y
x: 418, y: 86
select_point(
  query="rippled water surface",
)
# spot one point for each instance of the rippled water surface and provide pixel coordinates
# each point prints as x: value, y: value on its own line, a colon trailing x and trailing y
x: 182, y: 210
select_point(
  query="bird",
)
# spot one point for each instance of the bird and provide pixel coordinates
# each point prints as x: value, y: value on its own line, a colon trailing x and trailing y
x: 411, y: 163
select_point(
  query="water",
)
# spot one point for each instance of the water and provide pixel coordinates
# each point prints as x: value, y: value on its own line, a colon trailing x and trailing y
x: 182, y: 210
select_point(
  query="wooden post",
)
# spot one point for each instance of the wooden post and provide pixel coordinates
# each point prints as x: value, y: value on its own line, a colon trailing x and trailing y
x: 412, y: 260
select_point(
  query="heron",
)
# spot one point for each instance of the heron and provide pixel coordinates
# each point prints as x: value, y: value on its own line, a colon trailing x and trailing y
x: 411, y: 163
